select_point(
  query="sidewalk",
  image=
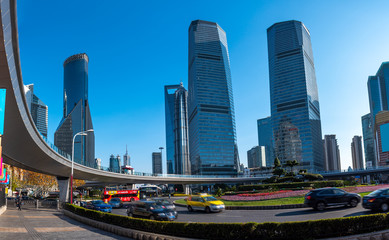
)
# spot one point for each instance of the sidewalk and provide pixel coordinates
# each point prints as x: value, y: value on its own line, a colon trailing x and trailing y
x: 46, y: 224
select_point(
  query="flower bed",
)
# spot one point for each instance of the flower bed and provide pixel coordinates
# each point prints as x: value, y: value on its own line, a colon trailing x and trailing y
x: 290, y: 193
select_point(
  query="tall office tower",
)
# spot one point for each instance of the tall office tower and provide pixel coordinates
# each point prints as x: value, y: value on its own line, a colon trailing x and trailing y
x: 38, y: 110
x: 212, y: 137
x: 114, y: 163
x: 356, y: 152
x: 295, y: 111
x: 256, y: 157
x: 98, y: 163
x: 381, y: 134
x: 368, y: 141
x: 157, y: 162
x: 177, y: 142
x: 331, y: 153
x: 76, y: 112
x: 378, y: 88
x: 126, y: 159
x: 265, y: 138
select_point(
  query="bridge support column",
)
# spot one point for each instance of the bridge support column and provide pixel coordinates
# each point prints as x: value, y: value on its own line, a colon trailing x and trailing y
x: 63, y: 185
x: 186, y: 189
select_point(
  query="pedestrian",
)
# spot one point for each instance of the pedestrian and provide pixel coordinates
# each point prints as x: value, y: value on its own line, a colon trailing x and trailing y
x: 19, y: 203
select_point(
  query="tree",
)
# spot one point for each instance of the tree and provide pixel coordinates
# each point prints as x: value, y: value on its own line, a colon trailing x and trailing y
x: 279, y: 172
x: 40, y: 183
x: 277, y: 163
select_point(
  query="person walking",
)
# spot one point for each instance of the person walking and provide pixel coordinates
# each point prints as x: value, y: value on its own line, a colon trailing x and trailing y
x: 19, y: 203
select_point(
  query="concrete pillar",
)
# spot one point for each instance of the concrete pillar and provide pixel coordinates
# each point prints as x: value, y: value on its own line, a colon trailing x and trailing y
x: 186, y: 189
x: 63, y: 185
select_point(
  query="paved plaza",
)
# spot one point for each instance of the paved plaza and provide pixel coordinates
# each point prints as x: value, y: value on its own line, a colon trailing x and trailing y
x: 46, y: 224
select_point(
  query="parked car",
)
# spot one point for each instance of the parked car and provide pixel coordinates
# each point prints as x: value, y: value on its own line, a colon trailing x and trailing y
x: 151, y: 210
x: 49, y: 202
x: 321, y: 198
x: 99, y: 205
x: 116, y: 203
x: 377, y: 200
x: 164, y: 203
x: 204, y: 202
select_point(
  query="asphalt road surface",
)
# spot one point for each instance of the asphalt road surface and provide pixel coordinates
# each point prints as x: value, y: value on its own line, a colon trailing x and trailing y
x: 275, y: 215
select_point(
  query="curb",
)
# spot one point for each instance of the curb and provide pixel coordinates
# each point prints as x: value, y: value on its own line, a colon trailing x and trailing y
x: 127, y: 232
x: 288, y: 206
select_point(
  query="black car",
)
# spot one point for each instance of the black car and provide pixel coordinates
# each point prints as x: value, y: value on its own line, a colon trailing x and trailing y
x: 152, y: 211
x: 164, y: 203
x: 321, y: 198
x: 377, y: 200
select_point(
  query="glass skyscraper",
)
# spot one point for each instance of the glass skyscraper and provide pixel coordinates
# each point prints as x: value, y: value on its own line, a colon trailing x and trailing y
x: 212, y: 137
x: 295, y: 110
x: 157, y: 162
x: 177, y: 143
x: 114, y: 163
x: 38, y: 109
x: 76, y: 112
x: 368, y: 140
x: 265, y: 138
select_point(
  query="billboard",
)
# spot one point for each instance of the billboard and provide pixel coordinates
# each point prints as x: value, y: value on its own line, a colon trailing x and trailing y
x: 2, y: 110
x: 384, y: 129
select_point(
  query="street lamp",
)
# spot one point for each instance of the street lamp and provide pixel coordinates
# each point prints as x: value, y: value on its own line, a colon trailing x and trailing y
x: 83, y: 133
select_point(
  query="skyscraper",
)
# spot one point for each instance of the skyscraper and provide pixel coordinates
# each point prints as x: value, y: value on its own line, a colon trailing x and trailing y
x: 38, y: 110
x: 114, y: 163
x: 126, y: 159
x: 76, y: 112
x: 295, y: 111
x: 157, y: 162
x: 368, y: 140
x: 177, y: 142
x: 265, y: 138
x: 381, y: 134
x: 256, y: 157
x: 212, y: 137
x: 331, y: 153
x: 356, y: 152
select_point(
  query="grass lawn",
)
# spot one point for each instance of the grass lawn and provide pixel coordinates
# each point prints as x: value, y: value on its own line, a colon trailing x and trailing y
x: 270, y: 202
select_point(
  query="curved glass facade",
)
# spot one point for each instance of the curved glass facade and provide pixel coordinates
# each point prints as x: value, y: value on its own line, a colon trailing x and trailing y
x: 76, y: 112
x: 212, y: 137
x: 295, y: 111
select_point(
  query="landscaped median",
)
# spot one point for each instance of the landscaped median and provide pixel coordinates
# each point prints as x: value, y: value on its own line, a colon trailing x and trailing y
x: 325, y: 228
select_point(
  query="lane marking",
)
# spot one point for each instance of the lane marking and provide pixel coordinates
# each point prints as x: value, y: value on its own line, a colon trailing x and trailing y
x: 13, y: 230
x: 59, y: 229
x: 49, y: 216
x: 10, y: 216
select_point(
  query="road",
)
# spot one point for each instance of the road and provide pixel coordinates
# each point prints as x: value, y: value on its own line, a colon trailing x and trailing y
x: 275, y: 215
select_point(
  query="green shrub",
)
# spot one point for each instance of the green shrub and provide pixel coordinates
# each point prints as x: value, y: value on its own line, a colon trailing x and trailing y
x: 325, y: 228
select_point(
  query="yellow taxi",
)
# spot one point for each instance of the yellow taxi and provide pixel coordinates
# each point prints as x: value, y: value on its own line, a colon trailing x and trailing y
x: 205, y: 203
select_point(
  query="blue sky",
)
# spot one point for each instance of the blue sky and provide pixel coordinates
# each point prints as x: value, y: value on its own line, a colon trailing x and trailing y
x: 137, y: 47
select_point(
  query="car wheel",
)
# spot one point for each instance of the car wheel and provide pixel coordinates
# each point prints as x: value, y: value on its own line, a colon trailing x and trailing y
x: 384, y: 207
x: 190, y: 209
x: 207, y: 210
x: 320, y: 206
x: 130, y: 214
x: 152, y: 217
x: 353, y: 202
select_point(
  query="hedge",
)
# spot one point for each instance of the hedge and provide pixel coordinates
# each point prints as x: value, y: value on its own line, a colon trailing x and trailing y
x: 325, y: 228
x: 315, y: 184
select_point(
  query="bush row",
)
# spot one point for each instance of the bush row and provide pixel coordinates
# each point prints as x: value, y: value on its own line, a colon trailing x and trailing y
x: 316, y: 184
x: 290, y: 230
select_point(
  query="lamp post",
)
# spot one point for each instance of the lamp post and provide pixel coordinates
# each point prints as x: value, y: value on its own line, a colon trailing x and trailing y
x: 83, y: 133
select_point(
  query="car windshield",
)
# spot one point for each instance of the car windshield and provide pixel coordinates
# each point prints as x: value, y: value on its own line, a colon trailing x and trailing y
x: 115, y: 200
x: 162, y: 202
x: 155, y: 206
x: 97, y: 202
x: 375, y: 193
x: 208, y: 199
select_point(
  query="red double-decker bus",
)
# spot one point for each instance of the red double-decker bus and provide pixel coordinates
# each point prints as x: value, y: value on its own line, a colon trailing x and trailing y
x: 124, y: 195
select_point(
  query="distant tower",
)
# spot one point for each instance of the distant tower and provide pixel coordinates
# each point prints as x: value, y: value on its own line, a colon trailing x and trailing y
x: 256, y: 157
x: 356, y: 152
x: 295, y: 111
x: 98, y: 163
x: 368, y: 141
x: 38, y: 110
x: 157, y: 162
x: 177, y: 143
x: 126, y: 159
x: 212, y: 137
x: 331, y: 153
x: 76, y: 112
x: 265, y: 138
x: 114, y: 163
